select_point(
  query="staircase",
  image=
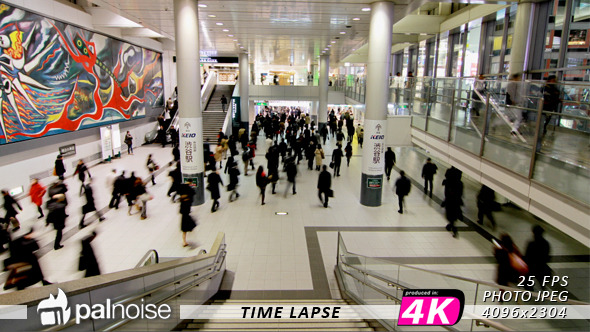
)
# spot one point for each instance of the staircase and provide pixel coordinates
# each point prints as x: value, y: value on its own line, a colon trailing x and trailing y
x: 213, y: 115
x: 276, y: 324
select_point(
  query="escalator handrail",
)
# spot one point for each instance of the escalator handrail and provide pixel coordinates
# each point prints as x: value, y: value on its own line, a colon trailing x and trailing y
x: 480, y: 282
x: 146, y: 257
x: 32, y: 296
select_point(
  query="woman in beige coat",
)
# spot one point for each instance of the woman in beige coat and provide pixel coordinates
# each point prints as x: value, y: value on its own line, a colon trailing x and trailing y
x: 319, y: 157
x: 219, y: 155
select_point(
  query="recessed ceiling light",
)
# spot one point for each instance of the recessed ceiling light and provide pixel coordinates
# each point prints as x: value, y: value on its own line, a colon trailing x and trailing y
x: 329, y: 45
x: 281, y: 213
x: 225, y: 30
x: 212, y: 16
x: 354, y: 49
x: 230, y: 35
x: 219, y: 23
x: 342, y: 32
x: 235, y: 40
x: 325, y: 49
x: 202, y: 5
x: 333, y: 42
x: 366, y: 9
x: 356, y: 19
x: 241, y: 46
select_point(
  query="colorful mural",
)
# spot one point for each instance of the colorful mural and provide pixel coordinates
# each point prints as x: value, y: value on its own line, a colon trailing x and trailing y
x: 56, y: 78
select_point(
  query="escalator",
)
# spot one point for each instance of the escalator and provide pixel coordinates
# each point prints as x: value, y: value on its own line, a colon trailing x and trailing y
x: 206, y: 95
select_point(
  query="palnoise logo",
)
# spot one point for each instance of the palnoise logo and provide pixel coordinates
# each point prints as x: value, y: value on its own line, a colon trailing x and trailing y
x: 54, y: 310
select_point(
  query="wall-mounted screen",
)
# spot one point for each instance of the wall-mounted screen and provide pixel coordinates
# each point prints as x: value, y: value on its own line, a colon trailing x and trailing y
x: 57, y: 78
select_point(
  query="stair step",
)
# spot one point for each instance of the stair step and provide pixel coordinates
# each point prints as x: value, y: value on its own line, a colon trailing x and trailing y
x: 247, y: 324
x: 278, y: 328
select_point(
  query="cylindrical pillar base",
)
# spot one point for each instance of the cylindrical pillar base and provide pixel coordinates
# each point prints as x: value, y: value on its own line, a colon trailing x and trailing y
x: 371, y: 187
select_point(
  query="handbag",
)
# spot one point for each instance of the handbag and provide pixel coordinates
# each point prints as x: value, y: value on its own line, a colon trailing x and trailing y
x: 331, y: 164
x: 518, y: 264
x: 330, y: 193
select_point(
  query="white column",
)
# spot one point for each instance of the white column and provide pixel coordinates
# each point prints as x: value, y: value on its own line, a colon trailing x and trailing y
x: 380, y: 31
x: 244, y: 82
x: 189, y: 95
x: 520, y: 38
x: 323, y: 86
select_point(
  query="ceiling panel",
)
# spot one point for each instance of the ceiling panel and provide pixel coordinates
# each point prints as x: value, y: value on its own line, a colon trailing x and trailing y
x: 278, y: 32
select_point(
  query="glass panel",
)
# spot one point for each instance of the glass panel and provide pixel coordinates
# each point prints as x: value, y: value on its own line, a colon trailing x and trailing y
x: 457, y: 63
x: 472, y: 50
x: 511, y: 125
x: 496, y: 42
x: 416, y: 98
x: 554, y: 33
x: 443, y: 49
x: 578, y: 46
x: 563, y: 157
x: 468, y: 123
x: 439, y: 115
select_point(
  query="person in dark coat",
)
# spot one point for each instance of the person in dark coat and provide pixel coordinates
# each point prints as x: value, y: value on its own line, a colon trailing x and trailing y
x: 22, y: 250
x: 176, y: 153
x: 402, y: 189
x: 57, y: 216
x: 213, y: 182
x: 118, y: 190
x: 324, y: 133
x: 389, y: 162
x: 60, y: 169
x: 187, y: 223
x: 11, y: 212
x: 88, y: 261
x: 128, y: 191
x: 337, y: 159
x: 162, y: 136
x: 176, y: 176
x: 324, y: 185
x: 453, y: 198
x: 81, y: 170
x: 234, y: 178
x: 152, y: 167
x: 273, y: 177
x: 537, y: 256
x: 348, y: 153
x: 173, y: 136
x: 428, y: 171
x: 551, y: 95
x: 89, y: 206
x: 261, y: 182
x: 291, y: 170
x: 486, y: 198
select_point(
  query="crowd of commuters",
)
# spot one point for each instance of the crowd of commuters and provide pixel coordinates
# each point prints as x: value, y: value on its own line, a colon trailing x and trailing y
x: 292, y: 136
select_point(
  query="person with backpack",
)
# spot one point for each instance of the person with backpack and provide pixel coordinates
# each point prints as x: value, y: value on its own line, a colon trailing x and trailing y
x: 246, y: 156
x: 402, y: 189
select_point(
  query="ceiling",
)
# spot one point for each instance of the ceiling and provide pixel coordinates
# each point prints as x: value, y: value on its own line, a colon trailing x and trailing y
x: 280, y: 32
x: 272, y: 32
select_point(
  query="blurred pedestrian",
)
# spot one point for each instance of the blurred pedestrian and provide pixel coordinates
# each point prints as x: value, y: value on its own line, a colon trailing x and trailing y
x: 56, y: 215
x: 234, y: 179
x: 9, y: 203
x: 23, y: 264
x: 325, y: 186
x: 486, y: 200
x: 88, y: 261
x: 261, y: 182
x: 213, y: 182
x: 187, y: 223
x: 348, y: 153
x: 59, y: 169
x: 537, y: 257
x: 82, y: 170
x: 152, y: 167
x: 89, y: 206
x: 389, y: 162
x: 402, y: 189
x: 428, y: 171
x: 36, y: 192
x: 510, y: 262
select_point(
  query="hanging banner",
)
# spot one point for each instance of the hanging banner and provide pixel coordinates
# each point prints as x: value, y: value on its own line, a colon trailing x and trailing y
x: 106, y: 142
x: 191, y: 145
x: 373, y: 156
x: 116, y: 139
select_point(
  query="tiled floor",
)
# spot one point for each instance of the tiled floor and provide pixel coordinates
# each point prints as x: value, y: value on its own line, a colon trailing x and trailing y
x: 273, y: 256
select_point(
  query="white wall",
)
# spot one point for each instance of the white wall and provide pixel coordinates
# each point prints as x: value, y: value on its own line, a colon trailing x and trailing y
x: 398, y: 131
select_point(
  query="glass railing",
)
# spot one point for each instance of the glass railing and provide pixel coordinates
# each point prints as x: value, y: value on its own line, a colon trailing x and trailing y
x: 375, y: 281
x: 507, y: 123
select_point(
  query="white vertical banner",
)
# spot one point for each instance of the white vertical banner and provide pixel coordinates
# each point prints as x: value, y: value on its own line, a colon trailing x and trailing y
x: 106, y: 142
x: 116, y: 138
x: 191, y: 136
x: 374, y: 148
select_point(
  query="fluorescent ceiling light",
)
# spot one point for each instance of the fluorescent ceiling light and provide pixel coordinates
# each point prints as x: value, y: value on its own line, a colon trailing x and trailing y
x: 325, y: 49
x: 366, y: 9
x: 225, y: 30
x: 333, y: 42
x: 212, y: 16
x: 342, y: 32
x: 235, y: 40
x: 219, y: 23
x: 356, y: 19
x: 202, y: 5
x: 230, y: 35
